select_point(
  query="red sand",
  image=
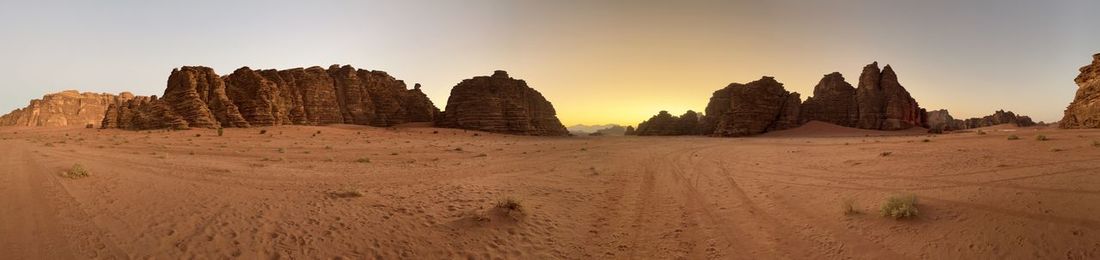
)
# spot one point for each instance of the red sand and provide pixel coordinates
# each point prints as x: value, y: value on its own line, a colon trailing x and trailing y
x: 426, y: 196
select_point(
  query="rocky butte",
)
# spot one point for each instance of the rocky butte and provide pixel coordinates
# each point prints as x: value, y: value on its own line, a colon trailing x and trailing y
x: 500, y: 104
x: 666, y: 124
x: 879, y: 103
x: 198, y: 97
x: 66, y: 108
x: 1084, y: 112
x: 752, y: 108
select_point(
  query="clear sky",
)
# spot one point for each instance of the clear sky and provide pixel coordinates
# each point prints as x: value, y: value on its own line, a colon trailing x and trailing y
x: 597, y: 61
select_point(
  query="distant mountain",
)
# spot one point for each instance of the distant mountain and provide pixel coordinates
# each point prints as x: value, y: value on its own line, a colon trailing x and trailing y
x: 605, y: 130
x: 588, y: 129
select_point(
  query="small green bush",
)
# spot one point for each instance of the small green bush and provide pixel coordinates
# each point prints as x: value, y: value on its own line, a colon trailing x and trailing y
x: 1013, y: 137
x: 221, y: 131
x: 900, y: 206
x: 75, y: 172
x: 263, y: 132
x: 980, y: 132
x: 363, y: 160
x: 1041, y: 138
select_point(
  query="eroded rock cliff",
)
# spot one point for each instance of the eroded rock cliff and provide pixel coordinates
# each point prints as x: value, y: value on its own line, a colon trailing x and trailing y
x: 197, y: 97
x: 66, y: 108
x: 1084, y: 111
x: 753, y: 108
x: 501, y: 104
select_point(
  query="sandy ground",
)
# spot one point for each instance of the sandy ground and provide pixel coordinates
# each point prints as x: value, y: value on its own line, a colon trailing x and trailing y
x: 428, y: 195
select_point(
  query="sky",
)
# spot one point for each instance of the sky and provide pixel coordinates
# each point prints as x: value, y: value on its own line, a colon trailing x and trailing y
x: 598, y: 62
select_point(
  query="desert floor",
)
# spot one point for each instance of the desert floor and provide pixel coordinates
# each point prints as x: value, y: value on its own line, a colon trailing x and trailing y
x: 415, y: 192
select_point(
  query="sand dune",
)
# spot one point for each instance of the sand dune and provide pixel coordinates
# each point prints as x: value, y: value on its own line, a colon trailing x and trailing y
x: 429, y: 193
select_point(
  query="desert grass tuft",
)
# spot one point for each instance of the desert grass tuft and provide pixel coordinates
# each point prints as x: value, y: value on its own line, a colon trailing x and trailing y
x: 1041, y: 138
x: 77, y: 171
x: 345, y: 194
x: 510, y: 205
x: 848, y: 206
x: 900, y: 206
x: 1013, y: 137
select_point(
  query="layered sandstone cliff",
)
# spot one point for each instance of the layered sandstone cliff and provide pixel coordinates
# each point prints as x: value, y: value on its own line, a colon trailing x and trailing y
x: 753, y: 108
x: 880, y: 103
x: 198, y: 97
x: 66, y: 108
x: 834, y: 102
x: 501, y: 104
x: 883, y: 103
x: 1084, y: 111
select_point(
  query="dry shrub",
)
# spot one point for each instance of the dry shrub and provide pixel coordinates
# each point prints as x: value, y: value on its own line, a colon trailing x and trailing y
x: 900, y: 206
x: 75, y: 172
x: 849, y: 207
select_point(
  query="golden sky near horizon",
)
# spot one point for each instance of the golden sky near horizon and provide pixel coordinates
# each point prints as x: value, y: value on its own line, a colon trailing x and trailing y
x: 598, y: 61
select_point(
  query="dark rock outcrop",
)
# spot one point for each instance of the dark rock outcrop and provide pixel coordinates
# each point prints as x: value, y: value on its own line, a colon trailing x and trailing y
x: 66, y: 108
x: 941, y: 120
x: 630, y: 131
x: 748, y: 109
x: 500, y: 104
x: 998, y: 118
x: 665, y: 124
x: 884, y: 104
x: 197, y: 97
x: 1084, y: 111
x: 834, y: 102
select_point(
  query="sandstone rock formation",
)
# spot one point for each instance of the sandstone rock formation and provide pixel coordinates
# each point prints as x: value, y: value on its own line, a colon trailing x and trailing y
x: 834, y: 101
x: 880, y: 103
x: 883, y: 103
x: 941, y: 120
x: 748, y: 109
x: 997, y: 118
x: 66, y: 108
x: 197, y: 97
x: 665, y: 124
x: 500, y: 104
x: 1084, y: 111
